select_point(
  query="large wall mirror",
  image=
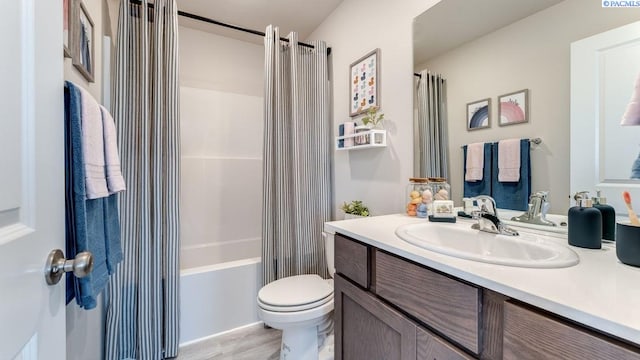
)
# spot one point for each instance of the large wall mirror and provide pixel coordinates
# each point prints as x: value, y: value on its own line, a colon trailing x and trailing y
x: 488, y: 48
x: 605, y: 68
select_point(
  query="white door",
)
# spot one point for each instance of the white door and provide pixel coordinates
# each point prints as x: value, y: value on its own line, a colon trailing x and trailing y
x: 32, y: 314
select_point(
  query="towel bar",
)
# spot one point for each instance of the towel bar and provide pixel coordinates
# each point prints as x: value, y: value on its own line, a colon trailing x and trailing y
x: 536, y: 141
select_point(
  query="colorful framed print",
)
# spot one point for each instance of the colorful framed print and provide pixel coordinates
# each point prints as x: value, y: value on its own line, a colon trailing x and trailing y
x: 478, y: 114
x: 83, y: 39
x: 513, y: 108
x: 364, y: 83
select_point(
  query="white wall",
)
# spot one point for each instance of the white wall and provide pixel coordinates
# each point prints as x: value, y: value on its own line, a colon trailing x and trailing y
x: 221, y: 110
x: 376, y: 176
x: 85, y: 328
x: 532, y: 53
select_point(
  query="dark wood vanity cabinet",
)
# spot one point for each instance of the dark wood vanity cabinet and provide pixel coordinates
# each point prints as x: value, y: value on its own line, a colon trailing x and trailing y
x: 368, y: 327
x: 387, y: 307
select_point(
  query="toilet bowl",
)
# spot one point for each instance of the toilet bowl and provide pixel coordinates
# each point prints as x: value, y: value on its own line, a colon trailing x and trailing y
x: 301, y: 306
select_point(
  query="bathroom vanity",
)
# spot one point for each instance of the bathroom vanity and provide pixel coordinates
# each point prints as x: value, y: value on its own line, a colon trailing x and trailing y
x: 394, y: 300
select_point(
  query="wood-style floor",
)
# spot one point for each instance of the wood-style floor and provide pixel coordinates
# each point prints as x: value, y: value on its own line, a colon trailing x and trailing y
x: 251, y: 343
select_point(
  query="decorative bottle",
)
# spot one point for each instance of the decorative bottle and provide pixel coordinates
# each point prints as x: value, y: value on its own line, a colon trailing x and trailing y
x: 585, y: 224
x: 608, y: 217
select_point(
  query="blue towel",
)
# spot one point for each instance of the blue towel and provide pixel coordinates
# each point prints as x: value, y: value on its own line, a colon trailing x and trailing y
x: 482, y: 187
x: 113, y: 244
x: 513, y: 195
x: 91, y: 224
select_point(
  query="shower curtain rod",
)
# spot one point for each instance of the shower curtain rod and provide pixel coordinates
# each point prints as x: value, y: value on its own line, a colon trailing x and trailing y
x: 230, y: 26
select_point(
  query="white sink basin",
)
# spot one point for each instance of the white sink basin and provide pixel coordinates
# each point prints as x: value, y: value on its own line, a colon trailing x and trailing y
x: 459, y: 240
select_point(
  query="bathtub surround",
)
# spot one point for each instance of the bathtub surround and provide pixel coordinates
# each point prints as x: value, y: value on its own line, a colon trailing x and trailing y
x: 297, y: 157
x: 431, y: 126
x: 218, y: 298
x: 142, y: 302
x: 221, y: 130
x: 221, y: 174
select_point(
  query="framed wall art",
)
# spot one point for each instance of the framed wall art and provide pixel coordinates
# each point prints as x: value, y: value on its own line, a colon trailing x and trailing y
x: 83, y: 34
x: 478, y: 114
x: 513, y: 108
x: 68, y: 11
x: 364, y: 83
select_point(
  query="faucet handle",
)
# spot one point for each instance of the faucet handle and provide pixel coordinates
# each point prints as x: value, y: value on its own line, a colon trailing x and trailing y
x: 541, y: 194
x: 483, y: 201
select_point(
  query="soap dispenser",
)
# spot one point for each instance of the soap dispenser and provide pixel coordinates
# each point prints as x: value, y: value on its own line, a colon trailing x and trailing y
x: 585, y: 223
x: 608, y: 217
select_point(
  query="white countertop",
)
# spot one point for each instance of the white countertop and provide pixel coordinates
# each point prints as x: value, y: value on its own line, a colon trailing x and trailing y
x: 600, y: 292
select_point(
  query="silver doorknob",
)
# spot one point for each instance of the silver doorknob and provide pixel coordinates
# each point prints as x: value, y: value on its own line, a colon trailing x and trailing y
x: 57, y: 265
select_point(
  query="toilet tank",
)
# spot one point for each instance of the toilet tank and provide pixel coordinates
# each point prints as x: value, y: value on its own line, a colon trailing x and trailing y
x: 329, y: 249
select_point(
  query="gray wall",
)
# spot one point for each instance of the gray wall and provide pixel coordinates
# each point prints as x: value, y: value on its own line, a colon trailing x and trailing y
x: 376, y: 176
x: 532, y: 53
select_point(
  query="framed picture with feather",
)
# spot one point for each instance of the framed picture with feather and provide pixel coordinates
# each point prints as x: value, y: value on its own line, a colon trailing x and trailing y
x: 83, y: 41
x: 364, y: 83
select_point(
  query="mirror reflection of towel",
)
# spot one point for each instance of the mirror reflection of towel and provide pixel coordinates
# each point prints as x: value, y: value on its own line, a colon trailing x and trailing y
x: 482, y: 187
x: 474, y: 164
x: 509, y: 160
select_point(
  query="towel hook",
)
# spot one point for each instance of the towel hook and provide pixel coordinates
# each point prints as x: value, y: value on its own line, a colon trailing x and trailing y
x: 57, y: 265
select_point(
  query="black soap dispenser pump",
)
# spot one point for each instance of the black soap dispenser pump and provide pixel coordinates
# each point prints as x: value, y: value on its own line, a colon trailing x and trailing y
x: 585, y: 223
x: 608, y: 217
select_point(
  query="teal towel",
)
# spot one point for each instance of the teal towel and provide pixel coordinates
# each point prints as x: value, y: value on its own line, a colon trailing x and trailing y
x: 513, y: 195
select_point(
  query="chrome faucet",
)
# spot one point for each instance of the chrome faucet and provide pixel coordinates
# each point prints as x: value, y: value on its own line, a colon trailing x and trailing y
x: 537, y: 212
x: 487, y: 217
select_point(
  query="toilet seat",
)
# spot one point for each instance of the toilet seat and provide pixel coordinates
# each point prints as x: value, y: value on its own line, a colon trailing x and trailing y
x: 295, y: 293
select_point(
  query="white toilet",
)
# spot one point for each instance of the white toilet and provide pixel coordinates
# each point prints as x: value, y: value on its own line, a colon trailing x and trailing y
x: 301, y: 306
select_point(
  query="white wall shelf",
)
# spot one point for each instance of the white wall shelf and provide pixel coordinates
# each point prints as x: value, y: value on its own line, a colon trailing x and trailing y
x: 364, y: 140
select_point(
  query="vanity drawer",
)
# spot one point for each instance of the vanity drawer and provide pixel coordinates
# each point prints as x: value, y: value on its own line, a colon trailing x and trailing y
x: 431, y: 347
x: 352, y: 260
x: 450, y: 307
x: 531, y: 335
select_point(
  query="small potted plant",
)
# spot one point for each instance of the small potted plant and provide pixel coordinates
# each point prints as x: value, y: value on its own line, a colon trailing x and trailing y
x: 370, y: 121
x: 354, y: 210
x: 373, y: 117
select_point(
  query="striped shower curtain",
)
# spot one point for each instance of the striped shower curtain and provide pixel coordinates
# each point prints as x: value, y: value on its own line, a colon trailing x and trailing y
x: 432, y: 140
x: 142, y: 299
x: 297, y: 158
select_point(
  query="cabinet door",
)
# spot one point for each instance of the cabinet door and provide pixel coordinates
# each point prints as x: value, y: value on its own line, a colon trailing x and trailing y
x: 431, y: 347
x: 366, y: 328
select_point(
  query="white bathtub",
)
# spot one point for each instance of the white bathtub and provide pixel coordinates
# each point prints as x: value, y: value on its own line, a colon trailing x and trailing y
x: 218, y: 298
